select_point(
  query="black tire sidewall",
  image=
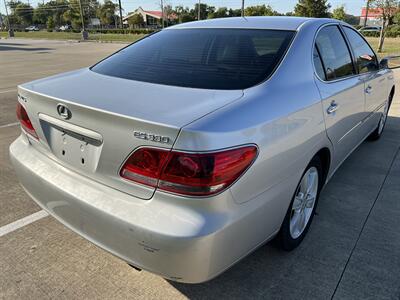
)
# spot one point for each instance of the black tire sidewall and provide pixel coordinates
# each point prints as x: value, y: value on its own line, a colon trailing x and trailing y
x: 287, y: 242
x: 375, y: 135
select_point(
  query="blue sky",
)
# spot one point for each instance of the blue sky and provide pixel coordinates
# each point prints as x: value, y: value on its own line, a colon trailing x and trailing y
x: 352, y: 6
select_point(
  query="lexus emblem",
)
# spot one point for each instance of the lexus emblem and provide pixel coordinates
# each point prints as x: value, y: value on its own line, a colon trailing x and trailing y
x: 63, y: 111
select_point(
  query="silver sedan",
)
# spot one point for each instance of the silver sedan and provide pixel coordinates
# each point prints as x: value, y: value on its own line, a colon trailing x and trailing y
x: 187, y: 150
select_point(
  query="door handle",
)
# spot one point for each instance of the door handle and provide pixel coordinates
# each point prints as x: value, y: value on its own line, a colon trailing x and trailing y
x: 332, y: 108
x: 368, y: 89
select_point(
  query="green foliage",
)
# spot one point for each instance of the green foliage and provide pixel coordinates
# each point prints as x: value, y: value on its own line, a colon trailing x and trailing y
x: 54, y: 9
x: 352, y: 20
x: 136, y: 20
x: 183, y: 14
x: 370, y: 33
x: 205, y: 11
x: 393, y: 31
x: 260, y: 10
x: 234, y: 12
x: 21, y: 13
x: 221, y: 12
x: 73, y: 16
x: 312, y: 8
x: 50, y: 24
x: 107, y: 12
x: 339, y: 13
x: 396, y: 18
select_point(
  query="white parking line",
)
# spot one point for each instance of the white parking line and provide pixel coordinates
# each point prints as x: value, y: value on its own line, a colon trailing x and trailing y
x: 22, y: 222
x: 9, y: 125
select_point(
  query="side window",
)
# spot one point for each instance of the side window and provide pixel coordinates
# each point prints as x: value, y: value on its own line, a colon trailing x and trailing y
x: 334, y: 53
x: 319, y: 68
x: 365, y: 58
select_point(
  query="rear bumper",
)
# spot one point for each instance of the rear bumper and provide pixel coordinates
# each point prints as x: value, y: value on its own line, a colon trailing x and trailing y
x: 190, y: 243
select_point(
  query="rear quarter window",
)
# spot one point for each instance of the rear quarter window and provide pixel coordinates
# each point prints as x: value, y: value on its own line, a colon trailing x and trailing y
x: 201, y: 58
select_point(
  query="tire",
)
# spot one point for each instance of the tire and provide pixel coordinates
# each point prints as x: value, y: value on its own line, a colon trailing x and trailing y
x: 292, y: 231
x: 377, y: 133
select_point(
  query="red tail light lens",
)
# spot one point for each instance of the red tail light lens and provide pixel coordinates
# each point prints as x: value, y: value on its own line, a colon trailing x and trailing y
x: 25, y: 121
x: 195, y: 174
x: 144, y: 166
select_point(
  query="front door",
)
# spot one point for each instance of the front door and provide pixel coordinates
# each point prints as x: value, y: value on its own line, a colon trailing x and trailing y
x: 375, y: 79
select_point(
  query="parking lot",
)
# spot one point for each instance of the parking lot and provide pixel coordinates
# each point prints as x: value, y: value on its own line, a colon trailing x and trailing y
x: 351, y: 252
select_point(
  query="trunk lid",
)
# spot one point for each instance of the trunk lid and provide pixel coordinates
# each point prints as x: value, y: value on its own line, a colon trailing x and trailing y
x: 110, y: 118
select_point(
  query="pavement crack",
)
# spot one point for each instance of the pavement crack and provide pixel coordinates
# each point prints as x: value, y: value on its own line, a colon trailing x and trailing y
x: 365, y: 222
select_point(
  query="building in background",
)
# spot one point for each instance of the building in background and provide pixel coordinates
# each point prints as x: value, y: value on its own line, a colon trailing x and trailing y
x: 152, y: 18
x: 374, y: 17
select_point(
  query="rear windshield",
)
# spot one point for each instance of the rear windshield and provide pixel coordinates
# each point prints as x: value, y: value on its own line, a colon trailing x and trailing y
x: 200, y: 58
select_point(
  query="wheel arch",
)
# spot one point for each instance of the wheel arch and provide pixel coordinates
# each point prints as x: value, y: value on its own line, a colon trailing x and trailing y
x: 391, y: 94
x: 325, y: 155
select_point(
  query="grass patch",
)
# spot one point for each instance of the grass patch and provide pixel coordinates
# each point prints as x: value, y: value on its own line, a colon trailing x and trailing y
x: 109, y: 37
x: 390, y: 47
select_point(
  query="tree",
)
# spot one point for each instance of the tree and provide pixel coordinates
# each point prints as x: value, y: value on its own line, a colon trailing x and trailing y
x: 21, y: 13
x: 339, y: 13
x: 73, y: 15
x: 260, y: 10
x: 205, y: 10
x: 234, y: 12
x: 396, y: 18
x: 221, y: 12
x: 388, y: 9
x: 183, y: 14
x: 352, y: 20
x: 106, y: 12
x: 50, y: 24
x: 55, y: 9
x: 136, y: 20
x: 312, y: 8
x: 41, y: 14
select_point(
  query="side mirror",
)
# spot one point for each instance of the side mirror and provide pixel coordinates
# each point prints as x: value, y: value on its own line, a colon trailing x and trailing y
x: 384, y: 63
x: 390, y: 62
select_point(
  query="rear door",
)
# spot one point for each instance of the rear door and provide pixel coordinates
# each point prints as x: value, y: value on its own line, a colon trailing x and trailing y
x: 342, y: 92
x: 374, y: 78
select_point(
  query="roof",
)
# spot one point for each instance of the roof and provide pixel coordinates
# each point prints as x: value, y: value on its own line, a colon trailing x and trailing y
x: 155, y: 13
x: 283, y: 23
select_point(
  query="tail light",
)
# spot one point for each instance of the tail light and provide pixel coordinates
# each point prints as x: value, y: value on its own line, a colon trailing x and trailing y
x: 195, y: 174
x: 25, y: 121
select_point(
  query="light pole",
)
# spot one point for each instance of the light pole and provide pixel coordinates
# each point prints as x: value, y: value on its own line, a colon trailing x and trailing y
x: 242, y: 8
x: 162, y: 13
x: 85, y: 34
x: 10, y: 31
x: 198, y: 11
x: 120, y: 13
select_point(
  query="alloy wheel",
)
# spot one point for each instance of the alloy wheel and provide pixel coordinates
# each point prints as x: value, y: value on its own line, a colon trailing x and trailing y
x: 303, y: 203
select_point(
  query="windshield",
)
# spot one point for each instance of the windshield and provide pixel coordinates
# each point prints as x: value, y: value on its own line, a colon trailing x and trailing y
x: 200, y: 58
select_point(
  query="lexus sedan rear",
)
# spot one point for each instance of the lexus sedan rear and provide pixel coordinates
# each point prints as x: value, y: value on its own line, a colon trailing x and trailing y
x: 188, y: 149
